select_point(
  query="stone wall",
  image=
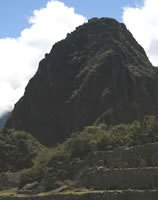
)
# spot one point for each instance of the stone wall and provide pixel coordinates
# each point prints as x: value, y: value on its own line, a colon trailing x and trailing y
x: 137, y: 156
x: 121, y: 179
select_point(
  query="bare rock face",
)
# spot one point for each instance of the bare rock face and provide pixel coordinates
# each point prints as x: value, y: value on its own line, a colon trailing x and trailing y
x: 99, y: 73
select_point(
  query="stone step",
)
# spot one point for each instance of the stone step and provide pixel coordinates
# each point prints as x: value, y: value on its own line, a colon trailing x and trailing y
x: 136, y: 156
x: 93, y: 195
x: 120, y: 179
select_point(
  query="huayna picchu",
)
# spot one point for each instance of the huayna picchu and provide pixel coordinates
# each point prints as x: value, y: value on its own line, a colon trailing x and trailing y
x: 98, y: 74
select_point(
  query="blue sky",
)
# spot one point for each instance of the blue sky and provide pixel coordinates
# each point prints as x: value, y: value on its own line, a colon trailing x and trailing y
x: 14, y: 13
x: 100, y: 8
x: 29, y: 29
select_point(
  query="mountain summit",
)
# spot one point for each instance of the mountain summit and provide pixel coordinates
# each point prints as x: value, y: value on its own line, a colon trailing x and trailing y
x: 98, y: 74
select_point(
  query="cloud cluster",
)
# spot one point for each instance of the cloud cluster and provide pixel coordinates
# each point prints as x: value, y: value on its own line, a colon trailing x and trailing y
x: 142, y: 21
x: 19, y: 57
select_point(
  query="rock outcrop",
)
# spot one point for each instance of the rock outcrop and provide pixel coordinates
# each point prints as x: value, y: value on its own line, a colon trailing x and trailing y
x: 99, y: 73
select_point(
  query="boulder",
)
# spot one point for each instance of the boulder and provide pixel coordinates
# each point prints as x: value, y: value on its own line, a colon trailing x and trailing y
x: 31, y: 186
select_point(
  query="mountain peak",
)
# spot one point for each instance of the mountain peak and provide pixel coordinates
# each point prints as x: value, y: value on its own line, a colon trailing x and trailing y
x: 98, y: 74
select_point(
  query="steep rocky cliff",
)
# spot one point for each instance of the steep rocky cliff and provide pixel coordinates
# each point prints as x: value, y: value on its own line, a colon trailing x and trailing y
x: 99, y: 73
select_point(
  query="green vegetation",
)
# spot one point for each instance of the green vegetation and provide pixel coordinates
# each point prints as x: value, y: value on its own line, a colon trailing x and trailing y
x: 102, y: 138
x: 17, y: 150
x: 36, y: 172
x: 92, y: 138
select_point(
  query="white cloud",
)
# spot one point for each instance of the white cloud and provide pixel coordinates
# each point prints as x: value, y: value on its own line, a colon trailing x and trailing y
x: 19, y: 57
x: 142, y: 21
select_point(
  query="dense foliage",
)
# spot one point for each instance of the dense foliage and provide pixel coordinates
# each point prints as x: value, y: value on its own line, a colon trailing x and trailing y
x: 17, y: 150
x: 103, y: 138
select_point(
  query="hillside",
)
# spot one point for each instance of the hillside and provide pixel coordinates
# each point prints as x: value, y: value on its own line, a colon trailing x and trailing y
x: 98, y: 74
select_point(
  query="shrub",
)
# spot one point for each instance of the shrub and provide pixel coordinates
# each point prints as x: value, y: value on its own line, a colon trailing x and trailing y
x: 142, y: 132
x: 150, y: 126
x: 119, y: 135
x: 78, y: 145
x: 39, y: 168
x: 104, y: 141
x: 18, y: 149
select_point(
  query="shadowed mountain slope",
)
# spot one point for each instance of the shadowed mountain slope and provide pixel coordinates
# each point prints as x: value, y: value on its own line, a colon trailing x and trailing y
x: 99, y: 73
x: 3, y: 119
